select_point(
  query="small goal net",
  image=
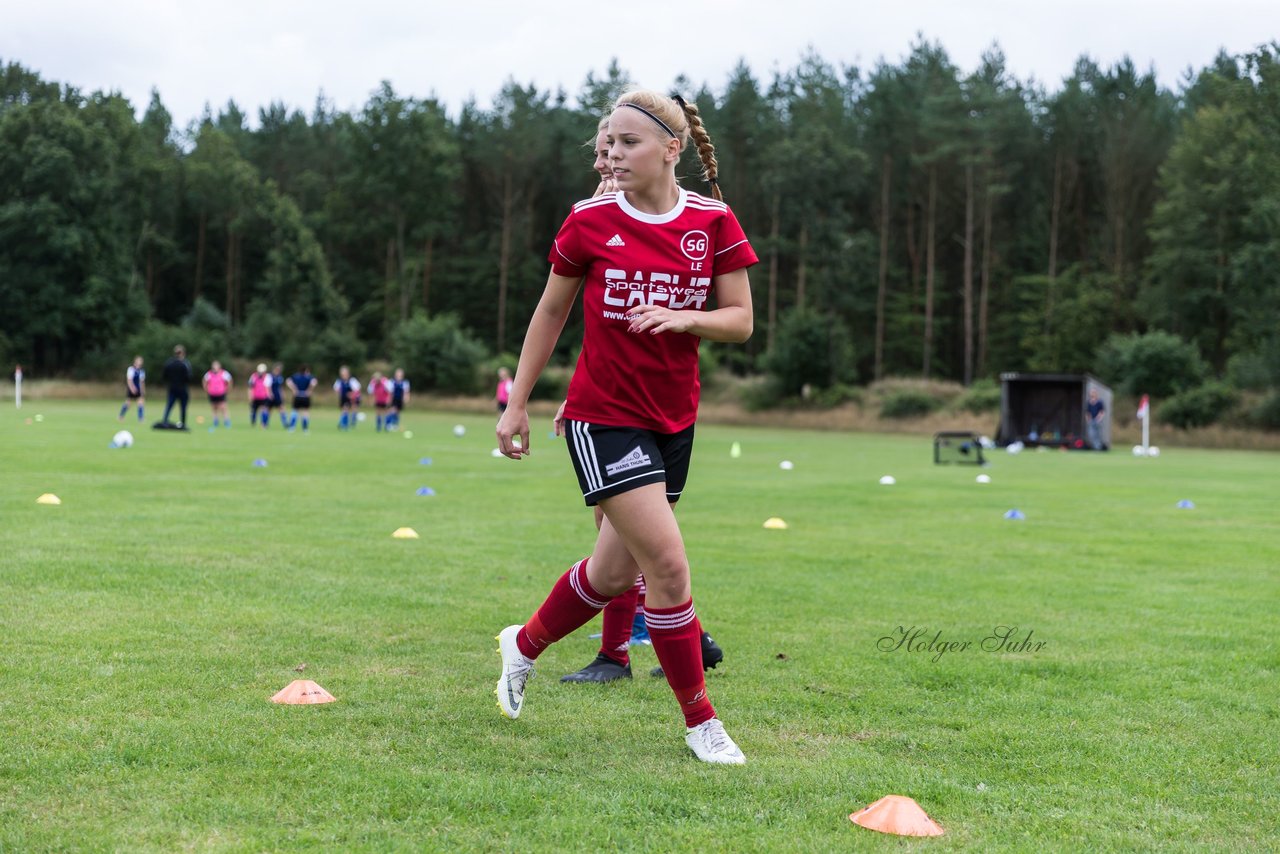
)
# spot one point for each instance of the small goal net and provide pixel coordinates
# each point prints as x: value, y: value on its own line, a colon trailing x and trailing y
x: 957, y: 447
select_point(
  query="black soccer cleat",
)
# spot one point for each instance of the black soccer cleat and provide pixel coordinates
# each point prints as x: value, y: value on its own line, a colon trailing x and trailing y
x: 712, y: 655
x: 603, y: 669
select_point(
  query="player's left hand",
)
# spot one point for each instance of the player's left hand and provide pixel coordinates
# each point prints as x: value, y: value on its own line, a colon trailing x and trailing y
x: 657, y: 318
x: 557, y: 423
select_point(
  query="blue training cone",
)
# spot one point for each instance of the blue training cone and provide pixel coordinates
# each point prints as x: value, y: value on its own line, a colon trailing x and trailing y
x: 260, y: 463
x: 1186, y: 504
x: 425, y: 461
x: 1015, y: 515
x: 426, y: 490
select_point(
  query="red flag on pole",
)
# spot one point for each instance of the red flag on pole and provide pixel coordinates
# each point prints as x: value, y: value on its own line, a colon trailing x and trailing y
x: 1144, y: 407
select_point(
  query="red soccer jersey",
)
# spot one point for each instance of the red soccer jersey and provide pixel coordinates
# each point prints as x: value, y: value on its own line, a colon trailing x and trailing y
x: 624, y: 379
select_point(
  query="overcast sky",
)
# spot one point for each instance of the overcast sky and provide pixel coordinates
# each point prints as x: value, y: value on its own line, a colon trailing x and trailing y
x: 259, y: 51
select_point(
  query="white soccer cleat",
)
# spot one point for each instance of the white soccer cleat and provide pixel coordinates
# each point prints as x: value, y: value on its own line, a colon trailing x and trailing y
x: 710, y: 743
x: 516, y: 671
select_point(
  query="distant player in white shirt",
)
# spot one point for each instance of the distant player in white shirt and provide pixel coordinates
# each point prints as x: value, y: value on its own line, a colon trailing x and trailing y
x: 399, y: 398
x: 135, y: 388
x: 348, y: 390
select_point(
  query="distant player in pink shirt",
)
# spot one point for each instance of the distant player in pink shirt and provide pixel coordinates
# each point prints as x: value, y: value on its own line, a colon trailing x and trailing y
x: 503, y: 393
x: 260, y: 397
x: 380, y: 391
x: 659, y: 269
x: 217, y: 383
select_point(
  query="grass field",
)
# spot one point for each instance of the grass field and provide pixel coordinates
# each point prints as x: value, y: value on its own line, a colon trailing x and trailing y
x: 145, y: 622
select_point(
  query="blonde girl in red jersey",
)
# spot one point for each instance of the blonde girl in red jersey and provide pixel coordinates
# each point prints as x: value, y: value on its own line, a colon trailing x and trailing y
x: 613, y: 661
x: 648, y: 258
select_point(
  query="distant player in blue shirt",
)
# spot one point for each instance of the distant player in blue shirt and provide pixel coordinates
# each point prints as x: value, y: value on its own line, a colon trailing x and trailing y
x: 1097, y: 414
x: 135, y: 388
x: 399, y: 399
x: 277, y: 394
x: 301, y: 384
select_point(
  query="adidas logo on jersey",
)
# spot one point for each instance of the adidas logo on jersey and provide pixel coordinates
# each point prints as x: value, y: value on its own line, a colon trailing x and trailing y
x: 616, y: 240
x: 635, y: 459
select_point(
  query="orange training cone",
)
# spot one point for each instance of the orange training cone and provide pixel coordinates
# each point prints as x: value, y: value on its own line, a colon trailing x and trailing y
x: 303, y: 692
x: 896, y: 814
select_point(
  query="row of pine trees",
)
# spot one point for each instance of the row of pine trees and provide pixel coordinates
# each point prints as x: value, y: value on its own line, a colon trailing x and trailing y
x: 944, y: 223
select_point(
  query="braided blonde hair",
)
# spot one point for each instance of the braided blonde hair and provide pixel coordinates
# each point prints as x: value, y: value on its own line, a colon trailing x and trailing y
x: 706, y: 151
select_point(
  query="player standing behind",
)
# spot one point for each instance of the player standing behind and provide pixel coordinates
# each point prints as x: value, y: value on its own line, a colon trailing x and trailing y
x: 622, y: 622
x: 347, y: 388
x: 502, y: 394
x: 217, y: 383
x: 135, y: 388
x: 260, y: 396
x: 277, y: 393
x: 301, y: 384
x: 399, y: 398
x: 648, y: 258
x: 357, y: 397
x: 380, y: 391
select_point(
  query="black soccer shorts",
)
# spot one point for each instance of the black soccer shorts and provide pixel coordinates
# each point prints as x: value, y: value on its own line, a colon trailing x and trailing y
x: 613, y: 460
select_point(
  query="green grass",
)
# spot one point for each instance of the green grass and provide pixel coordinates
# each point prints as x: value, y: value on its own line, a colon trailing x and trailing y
x: 146, y: 620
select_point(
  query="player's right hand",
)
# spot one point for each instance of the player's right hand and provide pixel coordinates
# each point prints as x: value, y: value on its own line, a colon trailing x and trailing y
x: 513, y: 432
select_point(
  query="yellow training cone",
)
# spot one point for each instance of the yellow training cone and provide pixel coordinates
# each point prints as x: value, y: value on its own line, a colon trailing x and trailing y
x: 775, y: 523
x: 896, y: 814
x: 405, y: 534
x: 48, y: 498
x: 303, y: 692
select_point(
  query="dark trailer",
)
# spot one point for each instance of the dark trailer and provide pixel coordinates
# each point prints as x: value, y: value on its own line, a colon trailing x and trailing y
x: 1050, y: 410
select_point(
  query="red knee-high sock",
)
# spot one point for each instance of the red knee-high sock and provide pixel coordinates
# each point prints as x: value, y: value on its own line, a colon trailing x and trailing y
x: 615, y: 631
x: 677, y: 640
x: 571, y: 603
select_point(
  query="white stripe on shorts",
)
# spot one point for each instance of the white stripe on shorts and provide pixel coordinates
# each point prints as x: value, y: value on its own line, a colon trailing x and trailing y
x: 586, y: 449
x: 662, y: 472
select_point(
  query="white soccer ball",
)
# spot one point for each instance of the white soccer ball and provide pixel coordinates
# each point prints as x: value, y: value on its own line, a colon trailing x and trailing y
x: 1153, y: 451
x: 887, y: 480
x: 786, y: 465
x: 983, y: 478
x: 123, y: 439
x: 360, y: 416
x: 1015, y: 447
x: 408, y: 434
x: 459, y: 430
x: 1139, y: 451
